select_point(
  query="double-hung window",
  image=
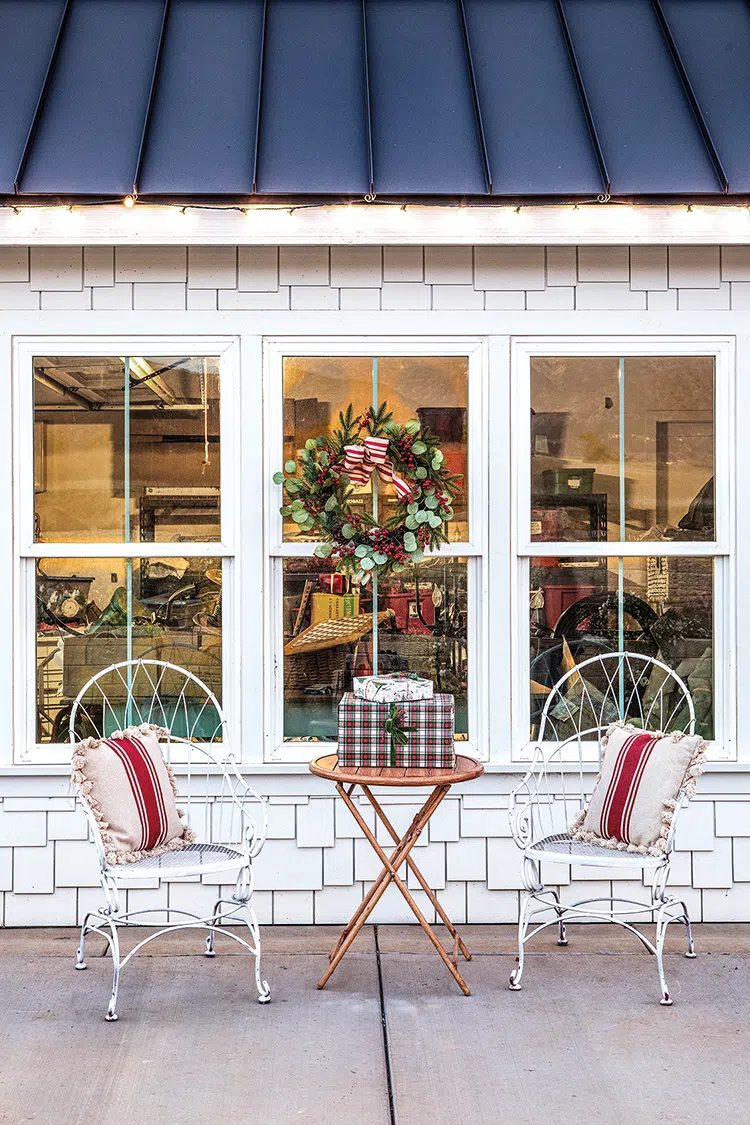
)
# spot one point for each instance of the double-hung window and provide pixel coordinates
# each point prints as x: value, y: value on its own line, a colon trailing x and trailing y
x: 428, y: 618
x: 623, y: 518
x: 124, y: 520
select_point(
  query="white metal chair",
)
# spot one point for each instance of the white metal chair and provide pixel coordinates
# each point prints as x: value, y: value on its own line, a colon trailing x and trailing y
x: 218, y: 804
x: 577, y: 712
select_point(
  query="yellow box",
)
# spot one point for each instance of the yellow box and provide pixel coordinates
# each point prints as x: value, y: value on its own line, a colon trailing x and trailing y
x: 326, y: 606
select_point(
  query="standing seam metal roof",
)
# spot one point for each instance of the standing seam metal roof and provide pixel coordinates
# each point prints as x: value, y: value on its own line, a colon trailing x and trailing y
x: 509, y: 98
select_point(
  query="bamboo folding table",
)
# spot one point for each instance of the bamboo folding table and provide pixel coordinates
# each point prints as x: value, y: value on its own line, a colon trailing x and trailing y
x: 440, y: 781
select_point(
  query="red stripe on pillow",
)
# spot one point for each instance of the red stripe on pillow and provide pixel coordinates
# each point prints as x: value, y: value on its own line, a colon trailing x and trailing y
x: 151, y: 765
x: 130, y: 774
x: 145, y: 787
x: 613, y: 783
x: 623, y: 787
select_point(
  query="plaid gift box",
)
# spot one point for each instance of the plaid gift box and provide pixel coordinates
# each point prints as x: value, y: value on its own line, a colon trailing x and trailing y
x: 364, y: 739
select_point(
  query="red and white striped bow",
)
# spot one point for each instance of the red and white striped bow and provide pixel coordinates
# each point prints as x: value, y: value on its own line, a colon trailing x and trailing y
x: 362, y: 460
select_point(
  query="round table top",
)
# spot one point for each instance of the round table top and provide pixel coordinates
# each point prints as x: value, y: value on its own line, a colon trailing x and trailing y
x: 466, y: 769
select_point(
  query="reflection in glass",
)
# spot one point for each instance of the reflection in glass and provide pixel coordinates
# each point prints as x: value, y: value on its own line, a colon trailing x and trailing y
x: 422, y: 627
x: 436, y: 391
x: 95, y: 612
x: 148, y: 473
x: 659, y: 607
x: 622, y: 449
x: 433, y: 389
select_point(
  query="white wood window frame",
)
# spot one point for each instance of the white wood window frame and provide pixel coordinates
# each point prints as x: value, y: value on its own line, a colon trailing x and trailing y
x: 476, y: 351
x: 25, y: 551
x: 722, y: 550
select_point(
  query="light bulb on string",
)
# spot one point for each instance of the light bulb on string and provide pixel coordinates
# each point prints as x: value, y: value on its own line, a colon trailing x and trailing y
x: 129, y: 201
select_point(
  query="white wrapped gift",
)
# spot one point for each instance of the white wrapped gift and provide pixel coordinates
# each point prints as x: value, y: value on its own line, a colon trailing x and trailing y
x: 394, y: 687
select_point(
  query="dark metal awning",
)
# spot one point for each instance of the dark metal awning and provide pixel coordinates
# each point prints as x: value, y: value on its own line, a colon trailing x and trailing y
x: 398, y: 98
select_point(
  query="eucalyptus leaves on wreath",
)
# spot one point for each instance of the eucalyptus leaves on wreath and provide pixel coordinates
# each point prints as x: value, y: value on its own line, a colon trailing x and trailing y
x: 318, y: 487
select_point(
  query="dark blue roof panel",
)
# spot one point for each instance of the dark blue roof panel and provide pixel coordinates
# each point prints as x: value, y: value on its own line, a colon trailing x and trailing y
x: 85, y: 142
x: 313, y: 123
x: 713, y: 38
x: 201, y: 135
x: 424, y: 128
x: 517, y: 98
x: 27, y: 36
x: 533, y: 118
x: 649, y: 136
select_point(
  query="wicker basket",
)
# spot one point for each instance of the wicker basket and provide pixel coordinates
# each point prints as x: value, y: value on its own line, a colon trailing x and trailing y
x: 321, y: 666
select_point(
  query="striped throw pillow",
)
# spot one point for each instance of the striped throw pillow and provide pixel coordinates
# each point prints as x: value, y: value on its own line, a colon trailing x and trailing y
x: 635, y: 795
x: 131, y: 792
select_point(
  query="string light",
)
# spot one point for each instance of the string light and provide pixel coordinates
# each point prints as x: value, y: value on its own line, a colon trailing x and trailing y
x: 358, y: 210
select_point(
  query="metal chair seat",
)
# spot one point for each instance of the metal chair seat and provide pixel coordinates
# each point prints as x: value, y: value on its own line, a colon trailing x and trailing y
x: 195, y: 859
x: 563, y: 849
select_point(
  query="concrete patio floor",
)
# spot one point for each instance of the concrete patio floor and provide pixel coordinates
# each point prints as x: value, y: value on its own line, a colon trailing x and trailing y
x: 391, y: 1039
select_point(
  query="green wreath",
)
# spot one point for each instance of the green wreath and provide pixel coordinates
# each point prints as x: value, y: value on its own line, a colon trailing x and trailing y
x: 318, y: 485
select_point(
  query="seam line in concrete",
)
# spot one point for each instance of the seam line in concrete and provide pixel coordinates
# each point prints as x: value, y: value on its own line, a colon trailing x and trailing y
x: 392, y: 1114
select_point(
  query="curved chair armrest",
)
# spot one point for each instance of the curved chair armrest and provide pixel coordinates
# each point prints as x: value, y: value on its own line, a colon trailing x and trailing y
x: 682, y: 802
x: 255, y: 834
x: 522, y: 799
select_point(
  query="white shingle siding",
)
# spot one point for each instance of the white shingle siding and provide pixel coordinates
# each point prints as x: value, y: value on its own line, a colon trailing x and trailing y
x: 316, y: 865
x: 391, y: 278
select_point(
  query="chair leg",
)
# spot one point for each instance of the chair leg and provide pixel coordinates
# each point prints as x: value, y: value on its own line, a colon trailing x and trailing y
x: 111, y: 1015
x: 264, y: 992
x: 215, y: 917
x: 523, y: 923
x: 688, y: 932
x: 81, y: 951
x: 562, y: 938
x: 662, y: 922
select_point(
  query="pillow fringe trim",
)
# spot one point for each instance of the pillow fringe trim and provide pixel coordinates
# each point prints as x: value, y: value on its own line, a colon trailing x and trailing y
x: 695, y: 768
x: 113, y: 855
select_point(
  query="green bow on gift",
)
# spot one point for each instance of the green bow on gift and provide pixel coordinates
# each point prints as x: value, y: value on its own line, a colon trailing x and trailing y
x: 394, y: 727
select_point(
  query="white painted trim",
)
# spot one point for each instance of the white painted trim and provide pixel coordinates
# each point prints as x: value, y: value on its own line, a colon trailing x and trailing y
x: 724, y: 746
x: 23, y: 671
x: 379, y: 224
x: 371, y: 344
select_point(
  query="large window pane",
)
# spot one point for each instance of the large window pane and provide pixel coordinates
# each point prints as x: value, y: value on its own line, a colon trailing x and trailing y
x: 659, y: 607
x: 328, y: 638
x: 436, y: 391
x: 432, y: 389
x: 95, y: 612
x: 622, y: 449
x: 316, y: 390
x: 126, y: 449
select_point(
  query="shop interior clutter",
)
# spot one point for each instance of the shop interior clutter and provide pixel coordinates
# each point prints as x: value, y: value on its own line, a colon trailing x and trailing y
x: 126, y: 451
x: 622, y: 450
x: 337, y: 628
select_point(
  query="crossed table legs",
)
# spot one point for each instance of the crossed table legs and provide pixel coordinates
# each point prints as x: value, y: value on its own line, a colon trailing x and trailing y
x: 389, y: 874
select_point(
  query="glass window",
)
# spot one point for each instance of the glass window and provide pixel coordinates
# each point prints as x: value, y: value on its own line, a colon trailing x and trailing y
x: 622, y: 449
x: 434, y: 391
x: 95, y: 612
x: 422, y: 620
x: 127, y: 452
x: 126, y: 449
x: 422, y: 627
x: 659, y: 607
x: 623, y: 453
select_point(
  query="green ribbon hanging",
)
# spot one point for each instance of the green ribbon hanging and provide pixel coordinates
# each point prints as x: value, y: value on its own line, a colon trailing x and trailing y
x: 394, y: 727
